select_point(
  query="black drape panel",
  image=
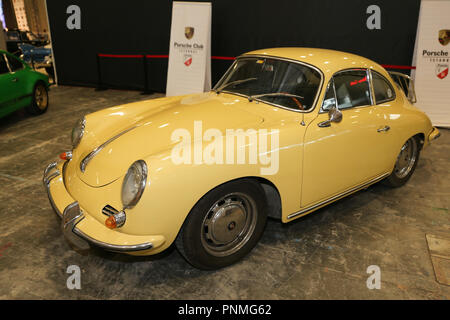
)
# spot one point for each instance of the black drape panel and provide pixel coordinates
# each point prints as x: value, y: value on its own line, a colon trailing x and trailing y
x: 238, y: 26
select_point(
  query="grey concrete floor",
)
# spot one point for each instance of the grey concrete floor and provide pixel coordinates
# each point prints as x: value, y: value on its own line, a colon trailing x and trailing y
x: 322, y: 256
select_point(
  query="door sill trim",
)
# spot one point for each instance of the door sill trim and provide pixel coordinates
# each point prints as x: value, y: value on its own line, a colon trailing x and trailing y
x: 338, y: 196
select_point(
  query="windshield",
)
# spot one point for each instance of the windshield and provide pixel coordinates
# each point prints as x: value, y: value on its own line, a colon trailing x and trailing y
x: 287, y: 84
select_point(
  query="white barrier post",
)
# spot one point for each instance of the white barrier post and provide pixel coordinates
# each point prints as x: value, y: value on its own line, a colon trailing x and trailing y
x: 432, y: 79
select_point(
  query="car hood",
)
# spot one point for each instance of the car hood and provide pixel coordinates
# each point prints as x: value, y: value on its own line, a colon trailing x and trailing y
x: 125, y: 134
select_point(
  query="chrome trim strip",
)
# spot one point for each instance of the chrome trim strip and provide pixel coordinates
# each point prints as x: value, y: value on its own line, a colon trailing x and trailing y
x: 113, y: 247
x: 338, y: 196
x: 94, y: 152
x: 371, y: 88
x: 83, y: 127
x: 319, y: 88
x: 52, y: 202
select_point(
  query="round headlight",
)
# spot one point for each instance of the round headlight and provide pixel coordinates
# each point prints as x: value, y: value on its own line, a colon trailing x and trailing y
x: 134, y: 184
x: 77, y: 132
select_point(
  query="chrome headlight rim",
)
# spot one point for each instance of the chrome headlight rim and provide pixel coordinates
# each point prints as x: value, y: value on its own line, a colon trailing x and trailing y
x: 143, y: 167
x: 80, y: 125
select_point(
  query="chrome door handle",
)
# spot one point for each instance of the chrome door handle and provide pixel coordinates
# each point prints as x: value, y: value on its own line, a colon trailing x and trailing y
x: 385, y: 129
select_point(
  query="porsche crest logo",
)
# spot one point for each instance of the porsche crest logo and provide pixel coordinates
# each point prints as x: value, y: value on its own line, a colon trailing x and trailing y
x: 187, y: 60
x: 442, y: 71
x: 444, y: 37
x: 189, y: 32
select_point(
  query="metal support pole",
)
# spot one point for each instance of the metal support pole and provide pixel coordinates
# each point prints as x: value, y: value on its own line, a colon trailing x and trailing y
x: 146, y: 81
x: 100, y: 86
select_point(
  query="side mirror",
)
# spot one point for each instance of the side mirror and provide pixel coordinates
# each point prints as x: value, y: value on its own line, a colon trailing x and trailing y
x: 334, y: 114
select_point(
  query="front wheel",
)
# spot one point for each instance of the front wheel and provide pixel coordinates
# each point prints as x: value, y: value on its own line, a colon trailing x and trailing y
x: 39, y: 103
x: 224, y: 225
x: 406, y: 163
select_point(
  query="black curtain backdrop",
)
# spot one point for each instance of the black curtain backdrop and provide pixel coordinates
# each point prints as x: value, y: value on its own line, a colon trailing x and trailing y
x: 238, y: 26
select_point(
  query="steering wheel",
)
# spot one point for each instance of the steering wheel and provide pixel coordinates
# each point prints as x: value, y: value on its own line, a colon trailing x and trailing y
x: 297, y: 102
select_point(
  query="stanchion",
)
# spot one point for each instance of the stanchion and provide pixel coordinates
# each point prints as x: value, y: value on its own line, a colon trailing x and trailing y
x: 146, y: 82
x: 100, y: 86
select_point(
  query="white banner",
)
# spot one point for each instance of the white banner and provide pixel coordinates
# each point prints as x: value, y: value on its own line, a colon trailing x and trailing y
x: 190, y: 49
x: 432, y: 79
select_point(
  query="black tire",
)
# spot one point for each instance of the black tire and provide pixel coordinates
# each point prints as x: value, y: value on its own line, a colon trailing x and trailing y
x: 39, y: 103
x: 238, y: 210
x: 398, y: 177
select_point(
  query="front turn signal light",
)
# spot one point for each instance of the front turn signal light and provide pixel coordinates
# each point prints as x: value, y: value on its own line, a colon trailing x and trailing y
x: 116, y: 220
x: 66, y: 155
x: 111, y: 222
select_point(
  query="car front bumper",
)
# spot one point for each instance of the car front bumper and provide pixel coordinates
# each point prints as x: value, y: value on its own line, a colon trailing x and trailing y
x: 82, y: 230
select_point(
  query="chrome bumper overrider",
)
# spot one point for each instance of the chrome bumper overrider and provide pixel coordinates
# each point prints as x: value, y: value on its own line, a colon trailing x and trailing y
x: 72, y: 215
x: 50, y: 173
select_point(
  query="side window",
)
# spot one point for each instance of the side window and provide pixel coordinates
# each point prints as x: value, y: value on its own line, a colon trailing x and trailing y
x: 352, y: 89
x: 382, y: 88
x: 329, y: 99
x: 3, y: 65
x: 14, y: 64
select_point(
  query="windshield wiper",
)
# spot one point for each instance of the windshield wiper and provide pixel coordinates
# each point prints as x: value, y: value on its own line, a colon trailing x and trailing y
x: 233, y: 82
x: 273, y: 94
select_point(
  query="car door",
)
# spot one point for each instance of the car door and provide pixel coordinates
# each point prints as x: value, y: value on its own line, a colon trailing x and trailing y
x: 12, y: 83
x: 343, y: 155
x: 7, y: 95
x: 388, y: 106
x: 19, y: 76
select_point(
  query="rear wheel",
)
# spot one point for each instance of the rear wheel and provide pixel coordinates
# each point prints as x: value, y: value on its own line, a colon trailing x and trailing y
x: 224, y: 225
x: 406, y: 163
x: 39, y: 103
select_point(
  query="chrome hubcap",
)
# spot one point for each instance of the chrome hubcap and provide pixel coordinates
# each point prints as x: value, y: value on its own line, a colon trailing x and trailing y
x: 406, y: 159
x: 229, y: 224
x: 40, y: 97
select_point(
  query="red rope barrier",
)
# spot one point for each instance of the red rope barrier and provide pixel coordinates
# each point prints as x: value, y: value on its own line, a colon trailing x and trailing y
x: 157, y: 56
x: 390, y: 66
x: 103, y: 55
x: 222, y: 58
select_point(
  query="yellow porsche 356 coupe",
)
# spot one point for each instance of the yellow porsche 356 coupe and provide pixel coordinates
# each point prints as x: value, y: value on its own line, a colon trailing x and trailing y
x: 285, y: 132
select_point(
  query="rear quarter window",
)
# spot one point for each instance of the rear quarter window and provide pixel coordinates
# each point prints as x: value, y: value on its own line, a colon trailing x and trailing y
x: 382, y: 88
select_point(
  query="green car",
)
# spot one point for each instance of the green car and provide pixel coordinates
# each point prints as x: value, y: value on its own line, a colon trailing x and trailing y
x: 21, y: 86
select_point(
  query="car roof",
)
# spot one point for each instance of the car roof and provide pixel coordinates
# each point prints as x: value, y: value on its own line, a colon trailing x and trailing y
x: 328, y: 61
